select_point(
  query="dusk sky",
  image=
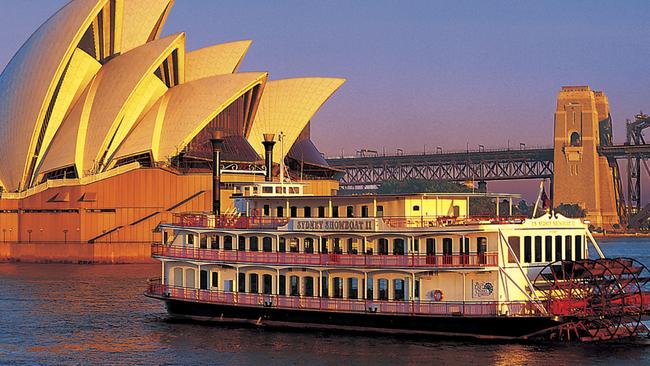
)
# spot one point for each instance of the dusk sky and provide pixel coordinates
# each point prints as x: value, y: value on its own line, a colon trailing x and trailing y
x: 422, y: 73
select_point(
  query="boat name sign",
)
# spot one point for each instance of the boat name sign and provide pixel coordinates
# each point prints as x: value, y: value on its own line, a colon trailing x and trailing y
x: 347, y: 224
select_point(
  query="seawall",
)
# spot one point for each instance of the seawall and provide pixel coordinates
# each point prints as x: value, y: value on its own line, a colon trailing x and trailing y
x: 76, y: 252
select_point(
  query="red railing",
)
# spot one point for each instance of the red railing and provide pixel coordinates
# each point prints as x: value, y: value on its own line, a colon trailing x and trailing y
x: 417, y: 307
x: 227, y: 221
x: 395, y: 222
x: 489, y: 259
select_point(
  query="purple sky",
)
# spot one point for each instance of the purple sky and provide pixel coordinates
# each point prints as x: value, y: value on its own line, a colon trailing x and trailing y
x: 422, y: 72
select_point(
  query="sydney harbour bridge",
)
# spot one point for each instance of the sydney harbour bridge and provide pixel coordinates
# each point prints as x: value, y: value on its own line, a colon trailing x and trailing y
x: 368, y: 168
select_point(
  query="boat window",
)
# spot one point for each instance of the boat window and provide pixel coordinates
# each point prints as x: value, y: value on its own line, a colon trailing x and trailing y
x: 352, y: 249
x: 165, y: 237
x: 214, y: 242
x: 241, y: 282
x: 293, y: 245
x: 456, y: 211
x: 447, y: 250
x: 203, y: 280
x: 294, y: 190
x: 578, y: 247
x: 227, y: 285
x: 337, y: 246
x: 528, y: 248
x: 538, y: 249
x: 416, y: 208
x: 282, y: 245
x: 349, y: 211
x: 267, y: 244
x: 253, y: 286
x: 398, y: 293
x: 335, y: 211
x: 278, y: 190
x: 215, y: 279
x: 279, y: 211
x: 481, y: 248
x: 178, y: 277
x: 267, y: 210
x: 416, y: 245
x: 364, y: 211
x: 227, y: 242
x: 293, y: 211
x: 321, y: 211
x: 382, y: 283
x: 398, y: 246
x: 309, y: 286
x: 416, y: 290
x: 514, y: 242
x: 558, y: 247
x: 464, y: 250
x: 323, y: 246
x: 307, y: 211
x: 282, y: 290
x: 189, y: 278
x: 267, y: 284
x: 548, y: 247
x: 253, y: 244
x: 266, y: 189
x: 431, y: 246
x: 203, y: 243
x: 337, y: 287
x: 241, y: 244
x: 383, y: 246
x: 309, y: 245
x: 370, y: 288
x: 353, y: 288
x: 190, y: 239
x: 568, y: 247
x: 380, y: 211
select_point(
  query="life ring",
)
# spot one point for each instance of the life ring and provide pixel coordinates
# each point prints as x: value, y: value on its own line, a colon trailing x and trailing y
x: 437, y: 295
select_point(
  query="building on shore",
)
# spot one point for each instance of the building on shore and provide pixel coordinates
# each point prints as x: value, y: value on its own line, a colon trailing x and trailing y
x: 106, y: 128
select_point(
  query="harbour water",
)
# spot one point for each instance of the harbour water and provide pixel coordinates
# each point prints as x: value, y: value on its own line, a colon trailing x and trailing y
x: 96, y: 314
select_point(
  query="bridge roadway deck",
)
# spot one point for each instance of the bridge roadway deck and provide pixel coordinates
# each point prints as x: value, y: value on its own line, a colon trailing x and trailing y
x: 456, y: 166
x: 506, y: 164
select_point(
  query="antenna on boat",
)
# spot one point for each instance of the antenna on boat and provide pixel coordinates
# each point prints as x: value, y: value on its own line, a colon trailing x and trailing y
x: 281, y: 139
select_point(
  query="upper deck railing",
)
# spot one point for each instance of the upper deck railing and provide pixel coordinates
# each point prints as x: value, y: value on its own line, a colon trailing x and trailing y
x: 473, y: 260
x: 203, y: 220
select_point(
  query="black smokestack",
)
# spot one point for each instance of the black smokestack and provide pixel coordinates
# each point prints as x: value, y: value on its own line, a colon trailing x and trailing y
x: 217, y: 142
x: 268, y: 155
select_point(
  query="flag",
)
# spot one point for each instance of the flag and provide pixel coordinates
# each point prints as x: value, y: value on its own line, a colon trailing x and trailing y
x: 546, y: 202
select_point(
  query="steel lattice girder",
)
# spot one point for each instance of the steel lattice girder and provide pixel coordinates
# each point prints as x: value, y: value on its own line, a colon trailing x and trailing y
x: 499, y: 165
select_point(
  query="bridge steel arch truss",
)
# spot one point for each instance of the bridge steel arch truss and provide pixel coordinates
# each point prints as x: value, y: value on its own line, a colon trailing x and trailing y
x: 369, y: 172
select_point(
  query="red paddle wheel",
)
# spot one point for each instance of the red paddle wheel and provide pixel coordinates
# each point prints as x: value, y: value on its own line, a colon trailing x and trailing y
x: 601, y: 299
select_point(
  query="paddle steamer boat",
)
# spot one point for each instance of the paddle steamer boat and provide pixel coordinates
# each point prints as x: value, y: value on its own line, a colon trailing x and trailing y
x: 413, y: 263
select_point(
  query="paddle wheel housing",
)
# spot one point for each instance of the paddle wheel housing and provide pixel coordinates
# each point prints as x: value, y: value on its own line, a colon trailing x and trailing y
x: 600, y: 299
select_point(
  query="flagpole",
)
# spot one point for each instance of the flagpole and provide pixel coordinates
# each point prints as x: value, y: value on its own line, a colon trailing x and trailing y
x: 539, y: 196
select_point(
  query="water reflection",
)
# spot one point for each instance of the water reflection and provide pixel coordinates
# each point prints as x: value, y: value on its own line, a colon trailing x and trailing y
x: 70, y: 314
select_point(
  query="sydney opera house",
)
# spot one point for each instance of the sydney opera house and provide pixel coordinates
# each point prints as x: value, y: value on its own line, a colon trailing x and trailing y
x: 105, y: 129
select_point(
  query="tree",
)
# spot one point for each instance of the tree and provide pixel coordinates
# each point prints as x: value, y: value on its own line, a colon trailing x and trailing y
x: 572, y: 210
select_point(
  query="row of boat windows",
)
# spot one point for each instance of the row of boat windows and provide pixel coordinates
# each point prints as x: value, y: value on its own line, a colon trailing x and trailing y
x: 320, y: 211
x: 350, y: 211
x: 549, y: 248
x: 299, y: 285
x: 384, y: 246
